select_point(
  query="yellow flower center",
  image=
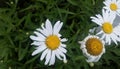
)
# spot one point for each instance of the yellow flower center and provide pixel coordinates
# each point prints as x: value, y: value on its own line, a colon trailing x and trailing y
x: 94, y: 46
x: 113, y: 7
x: 52, y: 42
x: 107, y: 27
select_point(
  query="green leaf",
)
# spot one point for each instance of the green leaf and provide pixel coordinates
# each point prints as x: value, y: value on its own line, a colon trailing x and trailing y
x: 65, y: 11
x: 22, y: 53
x: 32, y: 60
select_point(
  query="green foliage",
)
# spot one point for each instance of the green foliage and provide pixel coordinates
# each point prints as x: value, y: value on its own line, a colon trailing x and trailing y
x: 19, y: 18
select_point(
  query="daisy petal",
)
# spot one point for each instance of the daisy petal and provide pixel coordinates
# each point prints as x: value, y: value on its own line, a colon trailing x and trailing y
x: 99, y: 32
x: 64, y: 57
x: 91, y: 59
x: 63, y: 45
x: 114, y: 39
x: 36, y: 38
x: 40, y: 49
x: 63, y: 40
x: 97, y: 58
x: 57, y: 55
x: 44, y: 32
x: 48, y: 57
x: 52, y: 61
x: 40, y: 35
x: 57, y: 27
x: 62, y: 49
x: 48, y: 26
x: 36, y: 43
x: 44, y: 54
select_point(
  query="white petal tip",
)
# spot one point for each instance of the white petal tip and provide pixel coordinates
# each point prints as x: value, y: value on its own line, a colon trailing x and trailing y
x: 62, y: 23
x: 47, y: 20
x: 91, y: 64
x: 31, y: 37
x: 32, y: 44
x: 64, y: 40
x: 65, y: 61
x: 33, y: 54
x: 46, y: 64
x: 51, y: 64
x: 79, y: 42
x: 41, y: 59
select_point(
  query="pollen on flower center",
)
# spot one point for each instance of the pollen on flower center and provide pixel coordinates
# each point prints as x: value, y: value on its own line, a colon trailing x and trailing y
x: 94, y: 46
x: 113, y: 7
x: 107, y: 27
x: 52, y: 42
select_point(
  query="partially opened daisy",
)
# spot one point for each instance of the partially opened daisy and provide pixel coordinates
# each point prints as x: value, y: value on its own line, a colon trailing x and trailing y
x: 92, y: 47
x: 48, y: 42
x: 108, y: 31
x: 113, y: 6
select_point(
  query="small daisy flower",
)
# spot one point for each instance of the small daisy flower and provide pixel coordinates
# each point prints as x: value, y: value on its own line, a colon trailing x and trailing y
x: 92, y: 47
x: 112, y: 6
x: 49, y: 43
x: 109, y: 32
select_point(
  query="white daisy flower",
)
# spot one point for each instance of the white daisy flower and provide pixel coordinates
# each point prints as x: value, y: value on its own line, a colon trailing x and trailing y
x: 92, y: 47
x: 109, y: 32
x: 48, y: 42
x: 112, y: 6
